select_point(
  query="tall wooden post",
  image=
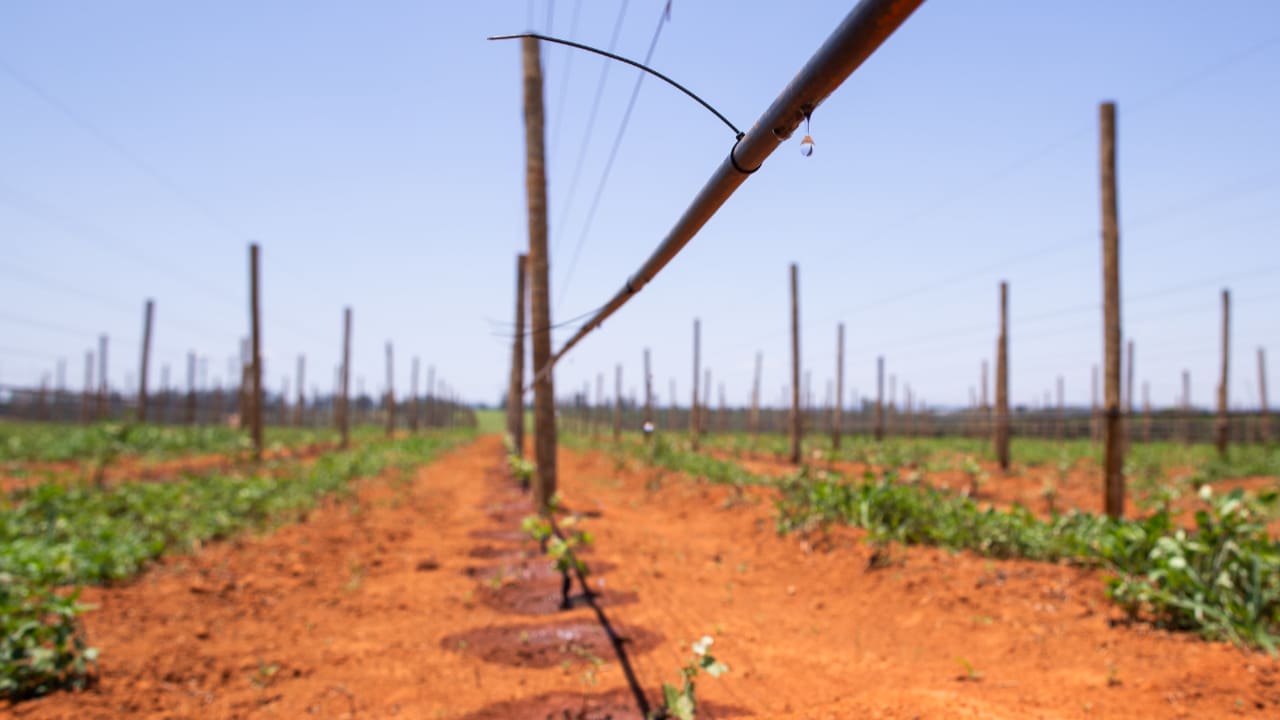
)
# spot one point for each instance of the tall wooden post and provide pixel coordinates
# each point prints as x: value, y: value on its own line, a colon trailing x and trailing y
x: 344, y: 413
x: 648, y: 392
x: 86, y: 398
x: 1222, y: 427
x: 879, y: 431
x: 415, y: 406
x: 1146, y: 412
x: 1062, y: 410
x: 617, y: 403
x: 544, y: 410
x: 255, y: 361
x: 299, y: 410
x: 1113, y: 432
x: 671, y: 409
x: 693, y: 403
x: 984, y: 410
x: 391, y: 394
x: 797, y: 420
x: 1265, y: 427
x: 755, y: 397
x: 1002, y: 381
x: 145, y: 362
x: 515, y: 387
x: 190, y: 418
x: 1127, y: 425
x: 837, y: 408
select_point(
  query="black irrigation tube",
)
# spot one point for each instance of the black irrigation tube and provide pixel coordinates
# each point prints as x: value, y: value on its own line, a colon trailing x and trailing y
x: 619, y: 649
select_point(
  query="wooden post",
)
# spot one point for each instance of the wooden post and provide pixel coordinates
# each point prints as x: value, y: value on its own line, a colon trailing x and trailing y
x: 255, y: 360
x: 704, y: 407
x: 648, y: 393
x: 617, y: 403
x: 299, y: 410
x: 837, y: 409
x: 1002, y: 381
x: 879, y: 430
x: 755, y: 397
x: 1112, y: 431
x: 414, y: 404
x: 1127, y: 425
x: 391, y: 394
x: 544, y: 410
x: 344, y: 412
x: 431, y: 398
x: 724, y: 418
x: 1146, y: 412
x: 515, y: 387
x: 282, y: 418
x: 797, y: 419
x: 103, y: 386
x: 190, y: 418
x: 147, y: 313
x: 1265, y: 426
x: 671, y: 409
x: 693, y: 403
x: 86, y: 398
x: 1222, y: 428
x: 1062, y: 410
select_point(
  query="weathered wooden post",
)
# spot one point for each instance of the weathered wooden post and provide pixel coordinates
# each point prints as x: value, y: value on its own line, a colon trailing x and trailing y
x: 693, y: 403
x: 1223, y: 429
x: 1265, y: 426
x: 190, y: 418
x: 415, y: 404
x: 1112, y: 431
x: 671, y: 408
x: 837, y: 409
x: 299, y: 410
x: 617, y: 403
x: 344, y: 412
x: 648, y: 394
x: 391, y: 394
x: 515, y: 388
x: 755, y: 397
x: 145, y: 362
x: 1002, y: 381
x: 86, y: 397
x: 103, y: 387
x: 879, y: 430
x: 255, y: 361
x: 797, y: 419
x: 544, y: 410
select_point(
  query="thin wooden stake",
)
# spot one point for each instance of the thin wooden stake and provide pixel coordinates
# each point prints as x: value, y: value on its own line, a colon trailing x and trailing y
x: 103, y: 387
x: 415, y: 404
x: 191, y: 389
x: 144, y: 363
x: 1222, y: 426
x: 344, y: 413
x: 797, y: 420
x: 879, y: 430
x: 515, y: 388
x: 1002, y: 382
x: 755, y: 396
x: 391, y: 394
x: 299, y: 410
x: 648, y: 393
x: 617, y: 403
x: 255, y: 361
x: 693, y: 403
x: 1112, y: 432
x: 837, y: 409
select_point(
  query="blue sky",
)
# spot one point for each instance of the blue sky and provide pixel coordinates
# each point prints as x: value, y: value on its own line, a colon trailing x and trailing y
x: 375, y: 151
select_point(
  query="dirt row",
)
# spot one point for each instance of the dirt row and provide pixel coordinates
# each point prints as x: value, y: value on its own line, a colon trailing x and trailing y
x: 423, y: 600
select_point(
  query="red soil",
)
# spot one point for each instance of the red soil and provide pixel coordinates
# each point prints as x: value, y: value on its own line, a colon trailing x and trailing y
x: 381, y: 612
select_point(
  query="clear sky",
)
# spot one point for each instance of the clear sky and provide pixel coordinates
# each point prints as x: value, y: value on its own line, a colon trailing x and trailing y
x: 375, y: 150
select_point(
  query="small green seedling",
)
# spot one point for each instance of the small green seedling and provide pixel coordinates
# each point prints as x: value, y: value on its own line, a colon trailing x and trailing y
x: 560, y: 548
x: 679, y: 703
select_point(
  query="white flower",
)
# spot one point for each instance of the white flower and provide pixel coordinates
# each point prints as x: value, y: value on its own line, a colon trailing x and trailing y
x: 1206, y: 492
x: 700, y: 647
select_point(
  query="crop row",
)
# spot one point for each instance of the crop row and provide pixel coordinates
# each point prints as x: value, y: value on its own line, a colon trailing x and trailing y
x: 54, y: 538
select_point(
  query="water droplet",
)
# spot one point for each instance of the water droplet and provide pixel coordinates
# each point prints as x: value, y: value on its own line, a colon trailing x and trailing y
x: 806, y: 146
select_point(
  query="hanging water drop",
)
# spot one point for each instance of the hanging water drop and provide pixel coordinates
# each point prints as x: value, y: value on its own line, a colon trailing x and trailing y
x: 806, y: 146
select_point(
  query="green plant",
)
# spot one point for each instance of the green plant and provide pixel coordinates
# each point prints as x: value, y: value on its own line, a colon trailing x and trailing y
x: 680, y: 703
x: 521, y: 468
x: 560, y: 547
x: 42, y: 646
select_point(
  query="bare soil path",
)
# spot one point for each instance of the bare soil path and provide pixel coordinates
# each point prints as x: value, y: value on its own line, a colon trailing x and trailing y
x: 423, y: 601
